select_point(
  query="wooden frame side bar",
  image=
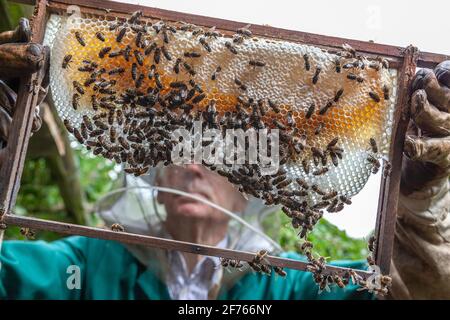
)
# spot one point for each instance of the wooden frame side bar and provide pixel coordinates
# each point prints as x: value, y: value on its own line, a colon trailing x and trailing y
x: 390, y: 185
x: 16, y: 149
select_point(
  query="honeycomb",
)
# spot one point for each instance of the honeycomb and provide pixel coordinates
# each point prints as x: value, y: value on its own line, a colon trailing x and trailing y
x: 247, y: 77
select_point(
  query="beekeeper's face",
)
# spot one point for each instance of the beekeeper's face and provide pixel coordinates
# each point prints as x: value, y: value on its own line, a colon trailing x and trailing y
x: 201, y: 182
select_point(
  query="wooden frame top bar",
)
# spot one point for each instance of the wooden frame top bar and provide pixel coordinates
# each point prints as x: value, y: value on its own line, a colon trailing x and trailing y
x: 393, y: 53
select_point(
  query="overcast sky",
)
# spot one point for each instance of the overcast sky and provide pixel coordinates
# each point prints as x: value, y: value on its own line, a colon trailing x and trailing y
x: 423, y: 24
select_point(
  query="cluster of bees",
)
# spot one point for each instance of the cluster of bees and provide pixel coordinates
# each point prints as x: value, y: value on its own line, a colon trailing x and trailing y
x: 258, y: 264
x: 151, y: 107
x: 324, y: 278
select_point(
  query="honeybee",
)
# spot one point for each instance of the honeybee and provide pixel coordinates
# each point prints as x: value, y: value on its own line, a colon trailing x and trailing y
x: 67, y: 59
x: 87, y: 122
x: 307, y: 64
x: 255, y: 63
x: 319, y: 128
x: 349, y: 50
x: 278, y: 124
x: 254, y: 266
x: 316, y: 75
x: 240, y: 84
x: 330, y: 195
x: 198, y: 98
x: 139, y: 57
x: 375, y: 163
x: 280, y: 271
x: 337, y: 63
x: 306, y: 246
x: 375, y: 97
x: 273, y: 106
x: 78, y: 135
x: 352, y: 76
x: 225, y: 262
x: 103, y: 52
x: 321, y: 205
x: 334, y: 159
x: 139, y: 81
x: 192, y: 54
x: 29, y: 233
x: 99, y: 124
x: 150, y: 48
x: 333, y: 205
x: 79, y: 38
x: 158, y: 81
x: 387, y: 169
x: 83, y: 130
x: 100, y: 36
x: 157, y: 55
x: 236, y: 264
x: 134, y: 71
x: 386, y: 92
x: 176, y: 66
x: 339, y: 282
x: 68, y: 125
x: 165, y: 35
x: 205, y: 44
x: 371, y: 243
x: 317, y: 190
x: 214, y: 75
x: 75, y: 101
x: 339, y: 207
x: 230, y: 47
x: 284, y: 184
x: 345, y: 199
x: 117, y: 70
x: 166, y: 53
x: 135, y: 17
x: 244, y: 31
x: 302, y: 183
x: 332, y: 143
x: 121, y: 34
x: 324, y: 109
x: 116, y: 53
x: 114, y: 26
x: 117, y: 227
x: 310, y: 111
x: 373, y: 145
x: 338, y: 94
x: 305, y: 165
x: 265, y: 269
x: 260, y: 255
x: 189, y: 68
x: 383, y: 62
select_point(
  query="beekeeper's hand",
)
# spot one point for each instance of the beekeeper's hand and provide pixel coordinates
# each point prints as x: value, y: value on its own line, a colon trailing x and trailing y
x: 18, y: 58
x: 427, y: 147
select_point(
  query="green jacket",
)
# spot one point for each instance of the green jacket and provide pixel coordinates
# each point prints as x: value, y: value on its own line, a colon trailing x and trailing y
x: 38, y: 270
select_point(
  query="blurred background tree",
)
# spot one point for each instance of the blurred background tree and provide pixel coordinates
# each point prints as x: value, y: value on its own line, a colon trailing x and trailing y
x: 62, y: 181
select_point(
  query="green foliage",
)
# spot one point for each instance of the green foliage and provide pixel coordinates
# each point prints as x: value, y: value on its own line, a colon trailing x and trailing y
x: 10, y: 13
x: 97, y: 175
x: 39, y: 194
x: 328, y: 240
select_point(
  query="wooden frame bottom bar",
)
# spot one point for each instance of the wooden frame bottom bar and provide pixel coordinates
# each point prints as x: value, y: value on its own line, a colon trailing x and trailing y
x: 160, y: 243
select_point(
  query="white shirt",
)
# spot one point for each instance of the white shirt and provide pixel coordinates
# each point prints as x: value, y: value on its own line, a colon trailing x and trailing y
x: 194, y: 286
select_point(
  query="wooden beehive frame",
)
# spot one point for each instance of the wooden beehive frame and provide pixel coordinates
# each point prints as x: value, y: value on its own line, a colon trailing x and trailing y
x: 404, y: 60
